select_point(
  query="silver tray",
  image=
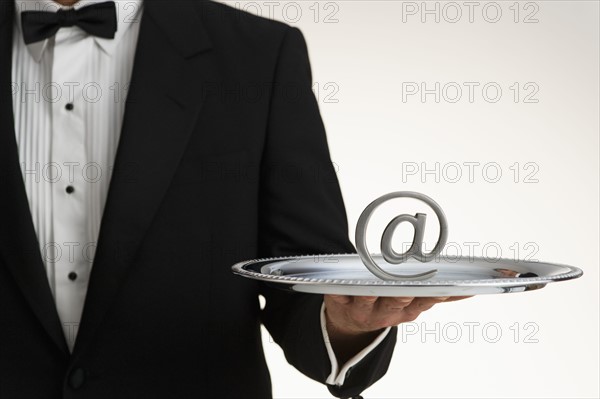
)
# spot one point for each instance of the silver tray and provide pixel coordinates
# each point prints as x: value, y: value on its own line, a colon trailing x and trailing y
x: 413, y: 273
x: 345, y: 274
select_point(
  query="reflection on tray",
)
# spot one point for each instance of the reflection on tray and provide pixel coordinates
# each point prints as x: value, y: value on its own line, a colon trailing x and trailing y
x: 513, y: 273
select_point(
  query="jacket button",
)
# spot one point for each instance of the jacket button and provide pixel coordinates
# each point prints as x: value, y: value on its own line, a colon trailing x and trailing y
x: 77, y: 378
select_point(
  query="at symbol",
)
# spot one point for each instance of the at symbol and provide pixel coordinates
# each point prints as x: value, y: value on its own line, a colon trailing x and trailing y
x: 415, y: 250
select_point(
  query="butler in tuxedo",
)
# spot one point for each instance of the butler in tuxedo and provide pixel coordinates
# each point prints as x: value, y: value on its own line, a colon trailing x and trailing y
x: 145, y: 147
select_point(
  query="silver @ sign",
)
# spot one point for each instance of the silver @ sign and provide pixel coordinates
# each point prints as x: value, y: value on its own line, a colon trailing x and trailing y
x: 415, y: 250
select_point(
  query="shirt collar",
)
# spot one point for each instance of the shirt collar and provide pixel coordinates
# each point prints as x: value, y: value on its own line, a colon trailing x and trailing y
x: 128, y: 13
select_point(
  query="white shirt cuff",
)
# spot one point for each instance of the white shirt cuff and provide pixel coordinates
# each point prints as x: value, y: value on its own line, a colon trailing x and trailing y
x: 338, y: 375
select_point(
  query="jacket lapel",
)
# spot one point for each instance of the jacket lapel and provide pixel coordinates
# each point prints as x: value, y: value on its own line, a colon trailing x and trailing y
x: 171, y: 67
x: 19, y: 246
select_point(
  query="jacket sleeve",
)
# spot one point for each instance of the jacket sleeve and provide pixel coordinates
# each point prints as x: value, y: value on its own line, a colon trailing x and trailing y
x: 302, y: 212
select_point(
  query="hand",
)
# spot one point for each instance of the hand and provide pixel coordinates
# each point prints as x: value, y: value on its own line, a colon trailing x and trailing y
x: 354, y: 321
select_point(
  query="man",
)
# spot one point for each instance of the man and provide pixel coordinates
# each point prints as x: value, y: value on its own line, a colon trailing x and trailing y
x: 121, y: 219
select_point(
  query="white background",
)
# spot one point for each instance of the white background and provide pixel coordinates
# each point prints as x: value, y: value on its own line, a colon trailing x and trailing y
x: 364, y: 55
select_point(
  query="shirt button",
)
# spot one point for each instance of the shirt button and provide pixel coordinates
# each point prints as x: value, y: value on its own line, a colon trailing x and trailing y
x: 70, y: 189
x: 77, y: 378
x: 69, y: 107
x: 72, y: 276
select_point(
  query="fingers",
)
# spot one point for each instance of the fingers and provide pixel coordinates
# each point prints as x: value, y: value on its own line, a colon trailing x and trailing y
x: 423, y: 304
x: 339, y: 299
x: 394, y: 303
x: 416, y: 307
x: 360, y: 302
x: 419, y: 305
x: 364, y: 302
x: 369, y: 313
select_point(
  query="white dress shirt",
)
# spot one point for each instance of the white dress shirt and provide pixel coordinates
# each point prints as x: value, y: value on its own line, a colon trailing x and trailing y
x: 69, y: 98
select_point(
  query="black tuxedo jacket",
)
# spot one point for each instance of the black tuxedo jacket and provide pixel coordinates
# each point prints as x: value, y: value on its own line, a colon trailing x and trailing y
x: 222, y: 157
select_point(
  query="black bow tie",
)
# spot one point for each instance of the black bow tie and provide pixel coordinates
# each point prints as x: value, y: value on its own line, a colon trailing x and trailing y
x: 96, y: 19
